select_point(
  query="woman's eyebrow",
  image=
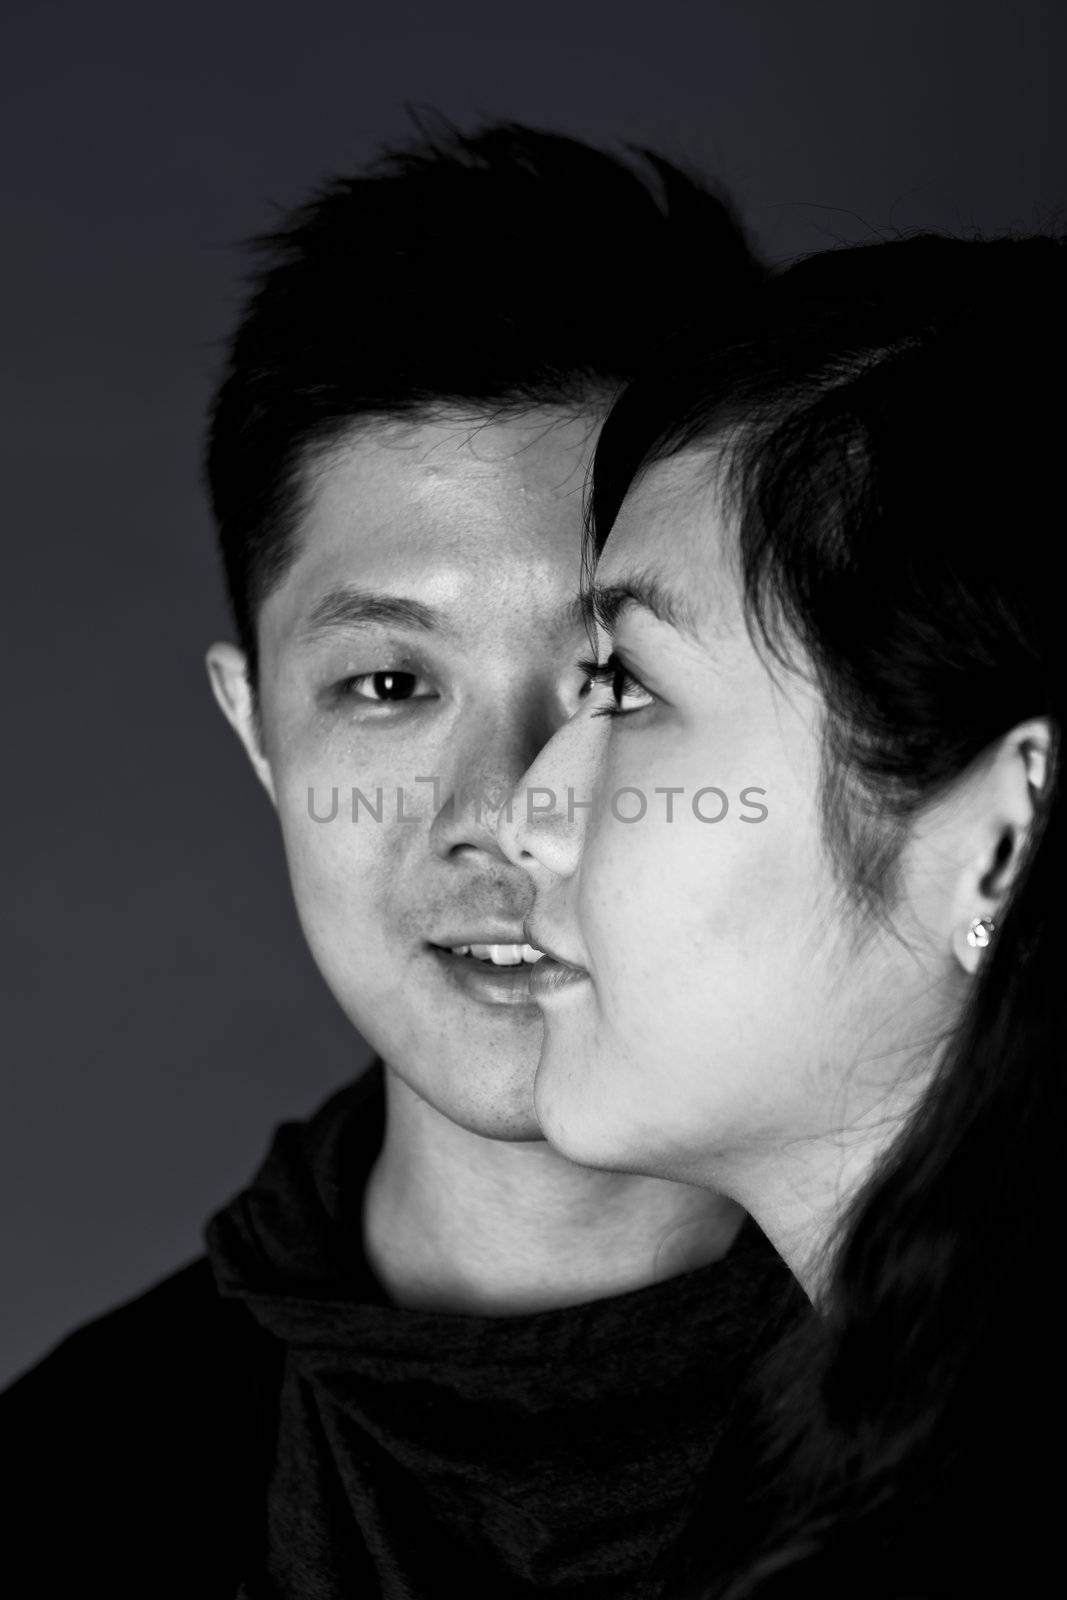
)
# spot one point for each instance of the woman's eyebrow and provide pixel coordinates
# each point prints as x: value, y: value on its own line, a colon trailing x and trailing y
x: 603, y: 604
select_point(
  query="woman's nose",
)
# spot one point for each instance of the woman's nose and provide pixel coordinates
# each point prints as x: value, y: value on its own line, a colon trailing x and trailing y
x: 543, y: 825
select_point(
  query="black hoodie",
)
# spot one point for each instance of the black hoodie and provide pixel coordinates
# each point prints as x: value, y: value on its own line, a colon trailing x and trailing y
x: 270, y: 1425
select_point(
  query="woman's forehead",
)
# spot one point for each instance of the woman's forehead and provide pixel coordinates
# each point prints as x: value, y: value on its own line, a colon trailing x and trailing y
x: 673, y: 537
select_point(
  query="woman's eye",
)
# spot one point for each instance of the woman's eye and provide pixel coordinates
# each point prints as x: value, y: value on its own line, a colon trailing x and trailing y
x: 628, y: 693
x: 386, y: 688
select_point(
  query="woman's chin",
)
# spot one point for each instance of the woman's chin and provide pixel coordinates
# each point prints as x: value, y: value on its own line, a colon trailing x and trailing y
x: 591, y: 1112
x: 577, y: 1107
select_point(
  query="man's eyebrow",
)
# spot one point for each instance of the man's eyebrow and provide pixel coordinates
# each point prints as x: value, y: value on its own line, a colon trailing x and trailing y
x: 348, y: 607
x: 603, y: 604
x: 575, y: 613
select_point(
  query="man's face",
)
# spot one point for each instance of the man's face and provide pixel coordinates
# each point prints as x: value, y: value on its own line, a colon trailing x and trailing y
x: 421, y: 649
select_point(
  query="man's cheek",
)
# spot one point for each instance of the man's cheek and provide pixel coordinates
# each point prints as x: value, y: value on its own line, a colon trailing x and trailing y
x: 342, y: 871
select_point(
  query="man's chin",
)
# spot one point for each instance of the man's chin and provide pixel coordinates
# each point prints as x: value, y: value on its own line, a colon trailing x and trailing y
x: 480, y: 1099
x: 488, y: 1116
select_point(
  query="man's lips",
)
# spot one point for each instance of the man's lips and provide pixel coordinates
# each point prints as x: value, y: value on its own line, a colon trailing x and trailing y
x: 466, y: 956
x: 490, y: 982
x: 470, y: 958
x: 488, y: 932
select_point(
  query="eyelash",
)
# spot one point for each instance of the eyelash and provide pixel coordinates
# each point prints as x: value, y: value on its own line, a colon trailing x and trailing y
x: 614, y: 675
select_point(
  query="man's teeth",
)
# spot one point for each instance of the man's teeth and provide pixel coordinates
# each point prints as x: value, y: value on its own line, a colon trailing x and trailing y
x: 501, y: 955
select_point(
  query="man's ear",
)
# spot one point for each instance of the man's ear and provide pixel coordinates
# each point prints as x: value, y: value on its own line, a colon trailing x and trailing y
x: 1004, y: 812
x: 227, y: 669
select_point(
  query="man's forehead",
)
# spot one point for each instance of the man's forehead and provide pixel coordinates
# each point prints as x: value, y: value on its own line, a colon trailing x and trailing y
x: 547, y: 450
x: 449, y: 515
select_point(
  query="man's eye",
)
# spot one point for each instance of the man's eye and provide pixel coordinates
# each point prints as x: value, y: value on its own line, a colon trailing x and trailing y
x: 386, y: 688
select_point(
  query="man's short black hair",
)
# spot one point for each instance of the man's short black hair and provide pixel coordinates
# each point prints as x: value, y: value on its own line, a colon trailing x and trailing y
x: 489, y: 272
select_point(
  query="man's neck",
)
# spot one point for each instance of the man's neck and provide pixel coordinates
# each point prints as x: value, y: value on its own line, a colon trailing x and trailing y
x: 457, y: 1222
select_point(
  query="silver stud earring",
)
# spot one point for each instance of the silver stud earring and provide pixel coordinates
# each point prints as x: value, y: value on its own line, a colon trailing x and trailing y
x: 981, y: 932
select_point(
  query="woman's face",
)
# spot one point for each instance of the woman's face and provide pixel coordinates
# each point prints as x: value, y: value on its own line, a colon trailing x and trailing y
x: 731, y: 1012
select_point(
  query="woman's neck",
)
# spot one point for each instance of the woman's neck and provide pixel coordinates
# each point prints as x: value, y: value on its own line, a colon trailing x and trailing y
x: 802, y: 1193
x: 457, y: 1222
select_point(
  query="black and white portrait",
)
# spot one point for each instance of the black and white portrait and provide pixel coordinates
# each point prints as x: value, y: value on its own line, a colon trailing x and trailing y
x: 535, y: 1024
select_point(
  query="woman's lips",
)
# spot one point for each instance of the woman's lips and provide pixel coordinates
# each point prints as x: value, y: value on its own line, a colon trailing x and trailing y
x: 550, y: 977
x: 552, y: 972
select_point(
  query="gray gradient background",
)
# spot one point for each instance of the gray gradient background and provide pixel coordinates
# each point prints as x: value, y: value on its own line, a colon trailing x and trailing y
x: 161, y: 1013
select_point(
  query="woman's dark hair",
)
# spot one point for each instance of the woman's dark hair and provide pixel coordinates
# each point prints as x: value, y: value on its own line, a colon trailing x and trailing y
x: 890, y: 434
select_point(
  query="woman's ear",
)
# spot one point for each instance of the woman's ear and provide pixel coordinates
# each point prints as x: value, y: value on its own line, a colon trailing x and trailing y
x: 1003, y: 810
x: 227, y: 670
